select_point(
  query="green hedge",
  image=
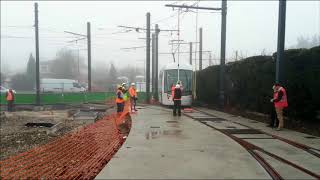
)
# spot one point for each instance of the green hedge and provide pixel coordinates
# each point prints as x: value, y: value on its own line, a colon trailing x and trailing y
x: 248, y: 83
x: 65, y: 98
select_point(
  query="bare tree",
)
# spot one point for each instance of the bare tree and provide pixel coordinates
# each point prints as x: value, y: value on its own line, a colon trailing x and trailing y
x: 67, y: 65
x: 307, y: 42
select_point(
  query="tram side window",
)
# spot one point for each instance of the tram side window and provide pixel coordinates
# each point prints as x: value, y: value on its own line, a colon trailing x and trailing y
x: 171, y: 77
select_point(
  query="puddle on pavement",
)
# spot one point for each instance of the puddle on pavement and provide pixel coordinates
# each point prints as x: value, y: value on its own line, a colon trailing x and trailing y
x: 154, y: 134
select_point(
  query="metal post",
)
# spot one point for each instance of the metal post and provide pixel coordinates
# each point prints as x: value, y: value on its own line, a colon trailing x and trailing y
x: 281, y: 38
x: 36, y: 25
x: 223, y: 50
x: 190, y: 53
x: 148, y: 59
x: 153, y: 63
x: 156, y: 60
x: 89, y: 55
x: 200, y: 49
x: 210, y: 60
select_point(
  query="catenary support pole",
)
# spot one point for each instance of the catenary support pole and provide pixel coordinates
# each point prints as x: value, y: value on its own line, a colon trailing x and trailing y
x: 200, y: 49
x: 157, y: 61
x: 281, y: 41
x: 36, y: 25
x: 89, y: 55
x: 153, y: 57
x: 223, y: 50
x: 190, y: 58
x: 148, y: 59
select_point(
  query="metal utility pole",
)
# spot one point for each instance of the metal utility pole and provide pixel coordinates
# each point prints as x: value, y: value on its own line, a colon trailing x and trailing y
x: 156, y: 60
x: 89, y: 55
x: 153, y: 48
x: 210, y: 60
x: 281, y: 38
x: 223, y: 38
x: 223, y: 50
x: 36, y: 25
x: 148, y: 59
x: 200, y: 49
x: 190, y: 53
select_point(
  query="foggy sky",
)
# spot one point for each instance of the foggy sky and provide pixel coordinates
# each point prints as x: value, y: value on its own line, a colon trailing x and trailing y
x: 251, y: 28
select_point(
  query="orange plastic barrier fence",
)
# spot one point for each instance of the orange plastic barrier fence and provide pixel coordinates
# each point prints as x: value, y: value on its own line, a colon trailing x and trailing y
x: 81, y: 154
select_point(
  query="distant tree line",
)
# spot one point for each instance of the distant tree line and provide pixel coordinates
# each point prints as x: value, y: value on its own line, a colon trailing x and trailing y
x: 68, y: 65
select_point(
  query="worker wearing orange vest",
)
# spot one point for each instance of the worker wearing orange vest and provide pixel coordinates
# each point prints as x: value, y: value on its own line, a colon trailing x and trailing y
x: 280, y: 102
x: 119, y: 100
x: 10, y: 99
x: 172, y: 90
x: 177, y: 93
x: 133, y: 97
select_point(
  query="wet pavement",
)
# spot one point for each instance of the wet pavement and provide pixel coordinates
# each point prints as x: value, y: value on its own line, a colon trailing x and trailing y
x: 161, y: 146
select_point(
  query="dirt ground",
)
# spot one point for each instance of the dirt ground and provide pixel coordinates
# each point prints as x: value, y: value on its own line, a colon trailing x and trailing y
x: 16, y: 137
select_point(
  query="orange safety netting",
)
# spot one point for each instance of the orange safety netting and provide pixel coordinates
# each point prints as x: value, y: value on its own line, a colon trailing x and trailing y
x: 80, y: 154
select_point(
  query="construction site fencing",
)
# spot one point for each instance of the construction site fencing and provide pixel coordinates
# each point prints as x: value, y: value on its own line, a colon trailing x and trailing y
x: 80, y: 154
x: 66, y: 98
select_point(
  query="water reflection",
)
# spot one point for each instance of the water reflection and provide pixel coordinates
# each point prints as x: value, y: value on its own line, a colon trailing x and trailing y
x: 157, y: 133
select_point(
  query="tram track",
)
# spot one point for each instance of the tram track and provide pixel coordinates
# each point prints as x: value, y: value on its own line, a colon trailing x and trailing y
x: 256, y: 151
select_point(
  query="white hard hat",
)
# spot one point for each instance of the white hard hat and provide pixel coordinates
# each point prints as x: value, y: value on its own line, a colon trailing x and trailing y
x: 177, y: 86
x: 132, y: 84
x: 123, y: 84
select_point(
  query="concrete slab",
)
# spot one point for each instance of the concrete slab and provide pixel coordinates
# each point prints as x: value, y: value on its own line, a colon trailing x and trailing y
x: 226, y: 125
x: 288, y: 134
x: 290, y: 153
x: 185, y: 149
x: 252, y: 136
x: 287, y: 171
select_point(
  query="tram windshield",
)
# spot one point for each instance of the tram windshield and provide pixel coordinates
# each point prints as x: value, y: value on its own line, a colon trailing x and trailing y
x: 171, y: 78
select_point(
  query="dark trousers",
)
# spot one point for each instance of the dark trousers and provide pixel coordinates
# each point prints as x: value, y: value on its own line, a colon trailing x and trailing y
x: 177, y: 106
x: 133, y: 101
x: 273, y: 118
x: 120, y: 107
x: 10, y: 106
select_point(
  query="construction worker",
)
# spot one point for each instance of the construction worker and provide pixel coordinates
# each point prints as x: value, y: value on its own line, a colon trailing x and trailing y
x: 177, y: 100
x: 124, y: 89
x: 119, y: 100
x: 181, y: 86
x: 280, y: 102
x: 133, y: 97
x: 10, y: 99
x: 172, y: 90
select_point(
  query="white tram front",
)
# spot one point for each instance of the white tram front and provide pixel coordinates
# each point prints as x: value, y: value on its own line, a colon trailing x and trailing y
x: 169, y: 76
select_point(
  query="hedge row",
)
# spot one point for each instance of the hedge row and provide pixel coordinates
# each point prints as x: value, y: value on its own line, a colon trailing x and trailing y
x: 66, y: 98
x: 248, y: 83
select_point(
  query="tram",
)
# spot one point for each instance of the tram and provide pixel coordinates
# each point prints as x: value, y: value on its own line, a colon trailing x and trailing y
x: 169, y: 76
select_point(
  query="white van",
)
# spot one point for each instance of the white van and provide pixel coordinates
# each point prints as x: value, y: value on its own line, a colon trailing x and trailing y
x: 60, y: 85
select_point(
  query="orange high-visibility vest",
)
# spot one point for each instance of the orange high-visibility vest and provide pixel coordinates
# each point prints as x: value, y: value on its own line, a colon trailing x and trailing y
x: 172, y: 91
x: 119, y: 100
x: 283, y: 102
x: 132, y: 92
x: 9, y: 96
